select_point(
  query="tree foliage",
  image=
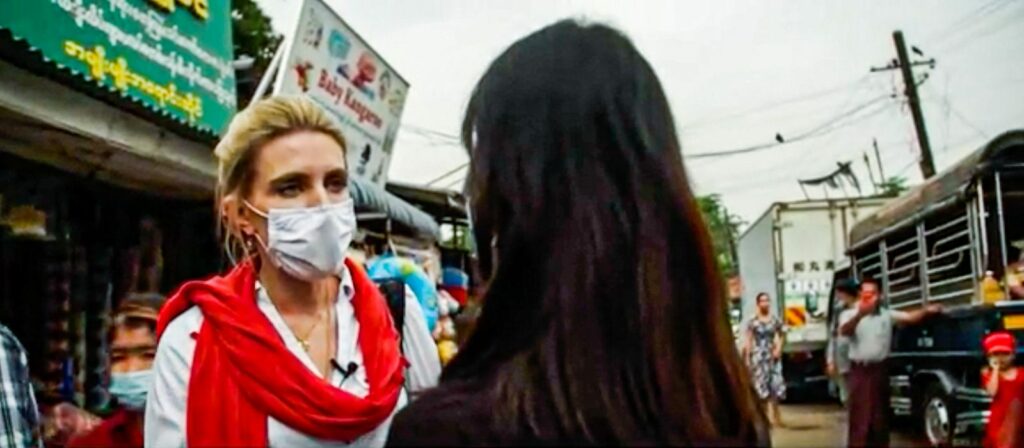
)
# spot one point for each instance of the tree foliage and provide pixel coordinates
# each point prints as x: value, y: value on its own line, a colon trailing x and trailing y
x: 724, y: 229
x: 893, y: 186
x: 254, y: 37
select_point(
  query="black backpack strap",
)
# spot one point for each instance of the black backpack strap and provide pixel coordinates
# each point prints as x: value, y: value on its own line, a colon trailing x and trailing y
x: 393, y: 290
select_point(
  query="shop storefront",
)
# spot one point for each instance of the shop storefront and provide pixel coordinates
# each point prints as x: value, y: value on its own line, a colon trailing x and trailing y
x: 108, y: 111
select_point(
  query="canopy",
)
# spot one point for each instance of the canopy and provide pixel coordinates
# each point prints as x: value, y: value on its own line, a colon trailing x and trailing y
x: 938, y: 190
x: 437, y: 202
x: 368, y: 195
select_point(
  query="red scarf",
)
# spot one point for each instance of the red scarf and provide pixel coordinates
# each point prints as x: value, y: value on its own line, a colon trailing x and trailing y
x: 242, y: 372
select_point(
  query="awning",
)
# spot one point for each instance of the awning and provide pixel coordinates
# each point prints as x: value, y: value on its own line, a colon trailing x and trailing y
x: 441, y: 204
x: 53, y: 124
x: 940, y: 188
x: 370, y: 196
x: 172, y: 64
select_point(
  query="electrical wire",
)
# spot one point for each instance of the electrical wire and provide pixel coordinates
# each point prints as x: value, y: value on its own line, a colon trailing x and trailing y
x: 458, y: 181
x: 775, y: 104
x: 447, y: 174
x: 809, y: 134
x: 419, y: 130
x: 956, y: 112
x: 906, y: 168
x: 762, y: 182
x: 824, y: 128
x: 981, y: 33
x: 967, y: 21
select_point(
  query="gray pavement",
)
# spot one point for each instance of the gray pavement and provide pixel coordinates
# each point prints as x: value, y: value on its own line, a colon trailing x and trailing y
x: 823, y: 425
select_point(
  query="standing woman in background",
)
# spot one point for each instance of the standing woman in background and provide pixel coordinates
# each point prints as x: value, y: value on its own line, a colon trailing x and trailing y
x: 295, y: 346
x: 603, y: 319
x: 764, y: 355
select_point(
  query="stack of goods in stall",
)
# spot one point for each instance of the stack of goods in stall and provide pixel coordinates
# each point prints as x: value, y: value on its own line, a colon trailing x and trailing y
x: 445, y: 333
x: 991, y: 290
x: 455, y: 289
x: 455, y: 282
x: 389, y: 266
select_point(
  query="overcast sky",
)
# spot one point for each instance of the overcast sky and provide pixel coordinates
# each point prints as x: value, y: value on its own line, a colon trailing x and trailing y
x: 736, y: 73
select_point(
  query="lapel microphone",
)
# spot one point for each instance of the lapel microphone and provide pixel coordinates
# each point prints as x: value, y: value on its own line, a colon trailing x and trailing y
x: 347, y: 371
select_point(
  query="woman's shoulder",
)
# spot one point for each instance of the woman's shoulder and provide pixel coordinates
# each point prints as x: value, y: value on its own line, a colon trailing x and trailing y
x: 456, y: 413
x: 177, y: 343
x: 183, y: 325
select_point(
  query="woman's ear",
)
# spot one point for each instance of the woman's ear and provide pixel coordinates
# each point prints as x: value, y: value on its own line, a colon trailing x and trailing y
x: 236, y: 216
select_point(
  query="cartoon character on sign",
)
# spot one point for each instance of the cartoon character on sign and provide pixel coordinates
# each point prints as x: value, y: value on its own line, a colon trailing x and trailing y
x: 302, y: 74
x: 366, y: 71
x: 314, y: 31
x: 395, y: 100
x: 364, y: 159
x: 385, y: 86
x: 339, y: 45
x: 389, y: 141
x: 379, y: 173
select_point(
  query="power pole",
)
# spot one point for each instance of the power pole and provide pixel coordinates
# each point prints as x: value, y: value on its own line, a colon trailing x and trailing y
x: 905, y: 66
x: 871, y: 172
x: 878, y: 158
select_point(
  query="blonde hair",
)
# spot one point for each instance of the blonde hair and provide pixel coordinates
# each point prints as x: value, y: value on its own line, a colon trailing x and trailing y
x: 250, y: 130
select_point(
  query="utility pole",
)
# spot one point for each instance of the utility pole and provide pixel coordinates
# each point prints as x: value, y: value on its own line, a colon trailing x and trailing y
x: 905, y: 66
x: 878, y: 158
x: 871, y: 171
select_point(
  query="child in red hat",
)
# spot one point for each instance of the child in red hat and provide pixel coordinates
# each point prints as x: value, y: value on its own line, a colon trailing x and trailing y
x: 1004, y: 382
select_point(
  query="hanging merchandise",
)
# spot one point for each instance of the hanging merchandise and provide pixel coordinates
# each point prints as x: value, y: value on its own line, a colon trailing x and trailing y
x: 390, y: 266
x: 456, y: 282
x: 26, y: 220
x: 445, y: 333
x: 59, y: 376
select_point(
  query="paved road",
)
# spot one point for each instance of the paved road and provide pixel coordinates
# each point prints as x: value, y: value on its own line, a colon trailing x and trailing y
x: 822, y: 425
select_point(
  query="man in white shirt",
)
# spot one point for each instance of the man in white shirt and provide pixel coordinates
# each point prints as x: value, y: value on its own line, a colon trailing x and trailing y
x: 869, y: 326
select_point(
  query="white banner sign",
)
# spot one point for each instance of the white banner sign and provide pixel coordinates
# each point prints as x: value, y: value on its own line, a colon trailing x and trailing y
x: 328, y: 62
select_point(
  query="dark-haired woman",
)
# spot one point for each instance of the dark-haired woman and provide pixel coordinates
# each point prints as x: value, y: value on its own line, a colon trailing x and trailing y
x: 603, y: 319
x: 763, y: 353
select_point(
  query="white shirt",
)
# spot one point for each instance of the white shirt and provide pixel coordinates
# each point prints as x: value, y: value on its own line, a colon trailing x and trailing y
x: 872, y: 339
x: 419, y: 348
x: 165, y: 404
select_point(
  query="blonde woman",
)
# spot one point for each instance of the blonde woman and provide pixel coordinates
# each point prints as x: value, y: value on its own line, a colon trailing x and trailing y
x: 294, y: 346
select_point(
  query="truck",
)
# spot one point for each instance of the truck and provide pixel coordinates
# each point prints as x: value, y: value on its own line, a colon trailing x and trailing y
x: 949, y: 241
x: 791, y: 253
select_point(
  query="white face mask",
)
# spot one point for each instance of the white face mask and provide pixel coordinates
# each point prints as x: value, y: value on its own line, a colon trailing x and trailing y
x: 309, y: 243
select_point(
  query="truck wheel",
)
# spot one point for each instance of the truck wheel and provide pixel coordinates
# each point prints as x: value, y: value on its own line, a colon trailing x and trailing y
x: 937, y: 416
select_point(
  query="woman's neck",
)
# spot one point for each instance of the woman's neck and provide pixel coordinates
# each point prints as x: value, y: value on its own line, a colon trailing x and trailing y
x: 291, y: 295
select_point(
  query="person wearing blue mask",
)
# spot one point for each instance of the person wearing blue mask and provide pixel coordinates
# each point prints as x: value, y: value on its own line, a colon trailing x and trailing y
x: 132, y: 349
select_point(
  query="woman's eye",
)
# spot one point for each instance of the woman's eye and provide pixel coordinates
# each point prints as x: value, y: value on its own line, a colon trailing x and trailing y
x: 336, y: 185
x: 288, y: 190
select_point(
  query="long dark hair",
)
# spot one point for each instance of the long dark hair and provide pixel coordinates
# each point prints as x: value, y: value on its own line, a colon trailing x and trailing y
x: 604, y: 309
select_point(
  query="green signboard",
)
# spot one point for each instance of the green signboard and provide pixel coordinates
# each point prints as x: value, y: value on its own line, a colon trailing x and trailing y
x: 173, y: 56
